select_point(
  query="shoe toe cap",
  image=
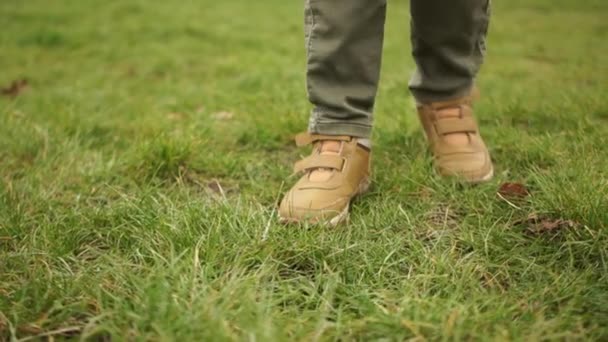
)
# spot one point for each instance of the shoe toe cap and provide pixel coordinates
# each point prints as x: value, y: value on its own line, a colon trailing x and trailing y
x: 470, y: 166
x: 311, y: 205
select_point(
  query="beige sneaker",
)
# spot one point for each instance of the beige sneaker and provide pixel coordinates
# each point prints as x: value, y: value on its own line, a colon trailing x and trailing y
x: 455, y: 142
x: 331, y: 179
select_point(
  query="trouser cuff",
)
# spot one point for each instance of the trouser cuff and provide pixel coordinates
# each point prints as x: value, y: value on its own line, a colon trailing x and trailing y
x: 341, y: 128
x: 429, y: 96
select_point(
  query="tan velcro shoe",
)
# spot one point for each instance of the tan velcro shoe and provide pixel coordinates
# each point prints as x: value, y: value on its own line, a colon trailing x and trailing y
x: 467, y: 157
x: 327, y: 201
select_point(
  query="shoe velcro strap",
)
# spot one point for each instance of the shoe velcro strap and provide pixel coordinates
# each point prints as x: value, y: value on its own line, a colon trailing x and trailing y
x: 447, y: 149
x: 456, y: 125
x: 304, y: 139
x: 317, y: 161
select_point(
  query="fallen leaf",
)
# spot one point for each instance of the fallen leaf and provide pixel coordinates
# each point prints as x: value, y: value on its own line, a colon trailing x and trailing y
x: 222, y: 116
x: 539, y: 225
x: 15, y: 88
x: 551, y: 226
x: 511, y: 190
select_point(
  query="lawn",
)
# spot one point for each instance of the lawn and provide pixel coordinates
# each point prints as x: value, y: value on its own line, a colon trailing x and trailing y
x: 141, y: 166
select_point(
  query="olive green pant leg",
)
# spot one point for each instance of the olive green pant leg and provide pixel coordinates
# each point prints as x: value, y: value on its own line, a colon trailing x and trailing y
x: 448, y: 45
x: 344, y: 48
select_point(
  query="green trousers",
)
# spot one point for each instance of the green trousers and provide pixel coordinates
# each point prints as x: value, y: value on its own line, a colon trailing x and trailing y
x: 344, y: 51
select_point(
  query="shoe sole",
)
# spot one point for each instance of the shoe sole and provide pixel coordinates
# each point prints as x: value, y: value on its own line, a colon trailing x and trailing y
x: 483, y: 179
x: 463, y: 180
x: 343, y: 216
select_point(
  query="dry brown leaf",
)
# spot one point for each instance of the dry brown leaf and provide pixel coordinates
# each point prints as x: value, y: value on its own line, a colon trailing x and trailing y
x: 551, y: 226
x: 539, y: 225
x: 15, y: 88
x: 513, y: 190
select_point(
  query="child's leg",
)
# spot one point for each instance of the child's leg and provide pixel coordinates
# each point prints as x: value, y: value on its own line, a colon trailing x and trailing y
x: 448, y: 38
x: 448, y: 44
x: 344, y: 45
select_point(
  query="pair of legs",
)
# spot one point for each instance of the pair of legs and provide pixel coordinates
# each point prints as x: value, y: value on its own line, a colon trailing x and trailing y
x: 344, y: 45
x: 344, y: 41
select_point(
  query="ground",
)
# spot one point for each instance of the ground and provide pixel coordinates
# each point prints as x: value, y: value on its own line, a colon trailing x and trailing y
x: 141, y: 164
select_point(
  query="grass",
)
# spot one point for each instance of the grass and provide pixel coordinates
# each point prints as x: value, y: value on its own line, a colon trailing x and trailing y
x: 140, y: 170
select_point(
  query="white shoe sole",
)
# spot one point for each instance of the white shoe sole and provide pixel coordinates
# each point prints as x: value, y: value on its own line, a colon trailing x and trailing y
x: 485, y: 178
